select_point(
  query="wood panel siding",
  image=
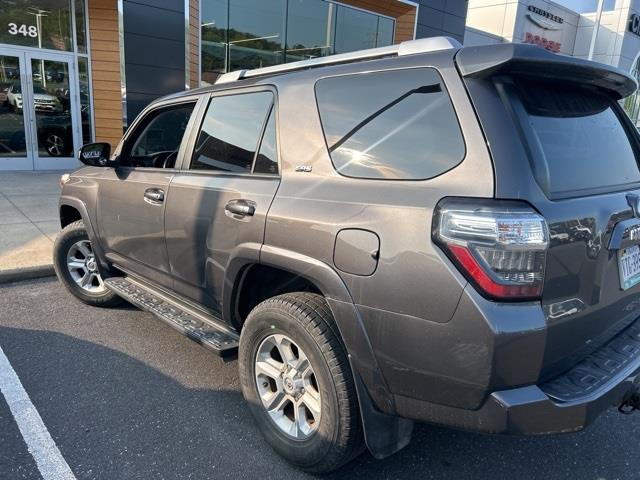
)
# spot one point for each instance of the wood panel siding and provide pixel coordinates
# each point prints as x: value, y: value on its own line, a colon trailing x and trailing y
x: 105, y: 70
x: 404, y: 14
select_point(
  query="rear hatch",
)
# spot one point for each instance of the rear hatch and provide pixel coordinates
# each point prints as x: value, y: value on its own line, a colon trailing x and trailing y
x: 560, y: 141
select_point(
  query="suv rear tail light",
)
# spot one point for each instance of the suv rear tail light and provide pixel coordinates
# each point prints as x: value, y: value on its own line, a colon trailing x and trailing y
x: 500, y: 247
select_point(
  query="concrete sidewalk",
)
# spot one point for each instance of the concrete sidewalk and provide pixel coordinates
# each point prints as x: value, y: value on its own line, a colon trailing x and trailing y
x: 28, y: 218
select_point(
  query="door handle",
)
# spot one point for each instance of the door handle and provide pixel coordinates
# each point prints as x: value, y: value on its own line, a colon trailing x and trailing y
x: 154, y: 196
x: 243, y: 208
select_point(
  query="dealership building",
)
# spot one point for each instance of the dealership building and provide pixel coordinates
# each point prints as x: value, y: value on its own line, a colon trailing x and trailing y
x: 565, y: 31
x: 76, y: 71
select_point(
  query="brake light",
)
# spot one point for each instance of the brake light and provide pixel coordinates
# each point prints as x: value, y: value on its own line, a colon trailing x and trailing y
x: 500, y: 247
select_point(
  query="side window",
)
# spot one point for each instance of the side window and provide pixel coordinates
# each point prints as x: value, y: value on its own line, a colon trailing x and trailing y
x: 392, y: 125
x: 156, y: 141
x: 267, y: 159
x: 231, y: 132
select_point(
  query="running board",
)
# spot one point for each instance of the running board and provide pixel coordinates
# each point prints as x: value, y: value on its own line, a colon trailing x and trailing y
x: 202, y: 328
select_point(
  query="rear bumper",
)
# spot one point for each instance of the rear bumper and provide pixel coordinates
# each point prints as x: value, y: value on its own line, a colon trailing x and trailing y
x: 567, y: 403
x: 521, y: 411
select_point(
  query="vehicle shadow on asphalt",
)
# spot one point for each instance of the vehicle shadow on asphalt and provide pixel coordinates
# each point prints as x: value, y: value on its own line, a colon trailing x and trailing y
x: 113, y: 416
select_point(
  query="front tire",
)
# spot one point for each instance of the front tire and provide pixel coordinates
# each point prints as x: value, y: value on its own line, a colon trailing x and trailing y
x: 77, y: 268
x: 296, y: 377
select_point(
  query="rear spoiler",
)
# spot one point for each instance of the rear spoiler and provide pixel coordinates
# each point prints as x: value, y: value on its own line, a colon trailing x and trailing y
x: 532, y: 61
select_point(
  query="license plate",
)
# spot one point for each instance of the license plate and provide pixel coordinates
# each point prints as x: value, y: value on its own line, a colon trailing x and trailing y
x: 629, y: 266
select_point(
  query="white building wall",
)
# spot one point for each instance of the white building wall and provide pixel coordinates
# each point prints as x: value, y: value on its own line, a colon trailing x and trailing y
x: 494, y: 21
x: 495, y: 17
x: 474, y: 37
x: 509, y: 20
x: 611, y: 35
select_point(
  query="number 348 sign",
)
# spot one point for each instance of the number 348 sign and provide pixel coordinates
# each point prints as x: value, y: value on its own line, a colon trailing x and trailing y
x: 24, y: 30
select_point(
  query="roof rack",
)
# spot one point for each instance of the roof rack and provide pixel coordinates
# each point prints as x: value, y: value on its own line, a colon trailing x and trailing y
x: 423, y: 45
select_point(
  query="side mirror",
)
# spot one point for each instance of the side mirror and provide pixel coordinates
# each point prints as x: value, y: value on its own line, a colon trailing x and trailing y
x: 96, y: 155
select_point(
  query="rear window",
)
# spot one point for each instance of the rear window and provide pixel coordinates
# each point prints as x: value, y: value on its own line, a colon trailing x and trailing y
x: 585, y: 147
x: 394, y: 125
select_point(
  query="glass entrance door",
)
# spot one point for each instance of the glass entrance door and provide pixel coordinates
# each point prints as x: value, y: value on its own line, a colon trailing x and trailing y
x: 13, y: 127
x: 40, y: 126
x: 54, y: 111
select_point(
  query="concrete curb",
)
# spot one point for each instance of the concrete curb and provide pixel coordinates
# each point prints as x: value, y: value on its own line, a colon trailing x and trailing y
x: 28, y: 273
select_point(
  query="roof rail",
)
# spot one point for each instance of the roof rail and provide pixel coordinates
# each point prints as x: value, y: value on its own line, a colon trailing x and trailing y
x: 423, y: 45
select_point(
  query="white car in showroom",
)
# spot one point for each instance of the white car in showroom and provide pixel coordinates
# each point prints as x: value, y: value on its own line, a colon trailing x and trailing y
x: 43, y: 101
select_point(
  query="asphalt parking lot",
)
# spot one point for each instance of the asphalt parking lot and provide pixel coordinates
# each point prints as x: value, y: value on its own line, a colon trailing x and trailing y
x: 125, y: 397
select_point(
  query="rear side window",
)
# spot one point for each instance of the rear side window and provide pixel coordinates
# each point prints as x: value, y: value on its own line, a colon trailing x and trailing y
x: 584, y: 146
x: 267, y: 160
x: 231, y: 132
x: 390, y: 125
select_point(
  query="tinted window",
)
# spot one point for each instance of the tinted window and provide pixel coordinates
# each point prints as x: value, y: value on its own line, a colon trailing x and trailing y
x: 230, y: 132
x: 157, y: 141
x: 390, y: 125
x: 583, y: 142
x: 267, y: 161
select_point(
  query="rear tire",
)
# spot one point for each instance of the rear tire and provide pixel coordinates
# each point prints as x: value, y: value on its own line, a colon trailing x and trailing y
x: 322, y: 402
x: 77, y: 268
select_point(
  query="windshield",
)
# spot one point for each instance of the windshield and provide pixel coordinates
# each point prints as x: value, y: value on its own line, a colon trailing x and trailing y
x: 16, y: 88
x: 39, y: 90
x: 585, y: 147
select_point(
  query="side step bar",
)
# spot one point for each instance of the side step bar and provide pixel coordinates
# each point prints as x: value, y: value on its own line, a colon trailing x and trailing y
x: 202, y: 328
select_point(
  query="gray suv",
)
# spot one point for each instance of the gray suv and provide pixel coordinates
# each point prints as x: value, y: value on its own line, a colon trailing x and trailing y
x: 421, y: 232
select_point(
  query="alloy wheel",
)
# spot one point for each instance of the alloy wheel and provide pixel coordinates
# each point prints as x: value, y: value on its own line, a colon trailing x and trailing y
x: 83, y: 267
x: 287, y: 386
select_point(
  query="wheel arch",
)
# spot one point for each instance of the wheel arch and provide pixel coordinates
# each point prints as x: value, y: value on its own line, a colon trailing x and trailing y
x: 72, y: 209
x: 69, y: 214
x: 385, y: 433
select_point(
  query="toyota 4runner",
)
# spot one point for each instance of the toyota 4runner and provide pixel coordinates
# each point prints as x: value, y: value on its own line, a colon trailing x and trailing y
x: 421, y: 232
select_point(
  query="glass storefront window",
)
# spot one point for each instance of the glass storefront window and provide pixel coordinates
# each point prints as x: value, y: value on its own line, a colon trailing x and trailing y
x: 246, y: 34
x: 355, y: 30
x: 255, y: 33
x: 40, y: 117
x: 213, y: 38
x: 81, y: 28
x: 309, y: 29
x: 12, y: 135
x: 37, y: 23
x: 386, y: 28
